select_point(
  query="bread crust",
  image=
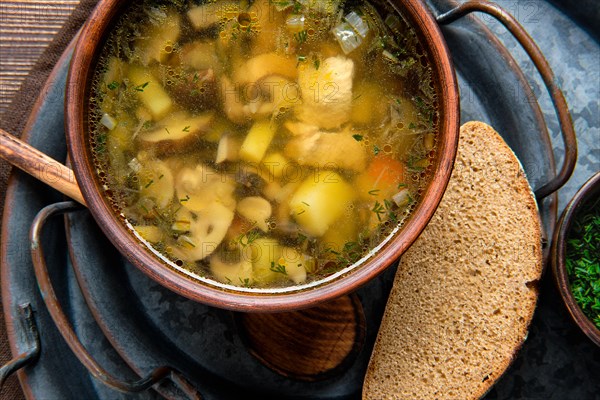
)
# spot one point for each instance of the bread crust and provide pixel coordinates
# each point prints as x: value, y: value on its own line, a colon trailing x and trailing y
x: 465, y: 292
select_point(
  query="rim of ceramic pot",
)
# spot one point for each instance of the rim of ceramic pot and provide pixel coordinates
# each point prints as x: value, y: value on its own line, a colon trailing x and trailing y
x: 589, y: 190
x: 213, y: 293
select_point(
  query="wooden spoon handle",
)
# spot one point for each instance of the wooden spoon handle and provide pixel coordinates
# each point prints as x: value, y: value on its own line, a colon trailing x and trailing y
x: 39, y: 165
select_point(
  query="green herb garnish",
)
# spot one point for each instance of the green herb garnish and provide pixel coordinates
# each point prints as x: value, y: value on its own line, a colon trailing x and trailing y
x: 113, y: 85
x: 149, y: 183
x: 374, y: 192
x: 301, y: 36
x: 317, y: 64
x: 358, y: 138
x: 583, y: 260
x: 140, y: 88
x: 300, y: 59
x: 278, y: 268
x: 378, y: 210
x: 186, y: 129
x: 376, y: 150
x: 248, y: 238
x: 245, y: 282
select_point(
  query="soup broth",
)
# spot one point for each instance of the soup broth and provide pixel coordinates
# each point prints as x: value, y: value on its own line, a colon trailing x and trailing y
x: 267, y: 143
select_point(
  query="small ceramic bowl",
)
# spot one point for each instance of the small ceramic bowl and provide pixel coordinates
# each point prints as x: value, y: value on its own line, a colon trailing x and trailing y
x: 588, y: 192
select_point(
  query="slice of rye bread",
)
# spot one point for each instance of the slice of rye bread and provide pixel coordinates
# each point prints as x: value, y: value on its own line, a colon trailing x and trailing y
x: 466, y: 290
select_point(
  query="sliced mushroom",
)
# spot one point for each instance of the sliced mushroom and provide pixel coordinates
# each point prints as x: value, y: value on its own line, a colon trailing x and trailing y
x: 207, y: 232
x: 176, y: 132
x: 257, y: 210
x: 201, y: 186
x: 238, y: 273
x: 264, y: 65
x: 200, y: 55
x: 155, y: 181
x: 195, y: 90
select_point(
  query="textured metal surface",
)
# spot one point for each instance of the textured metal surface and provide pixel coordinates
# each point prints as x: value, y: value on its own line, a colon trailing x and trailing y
x: 26, y: 29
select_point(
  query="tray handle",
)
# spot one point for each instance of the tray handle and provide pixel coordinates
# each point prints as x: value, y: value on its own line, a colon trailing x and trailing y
x: 533, y: 51
x: 63, y: 325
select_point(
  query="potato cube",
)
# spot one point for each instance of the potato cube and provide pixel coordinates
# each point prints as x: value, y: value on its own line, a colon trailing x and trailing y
x: 150, y: 92
x: 320, y: 201
x: 257, y: 141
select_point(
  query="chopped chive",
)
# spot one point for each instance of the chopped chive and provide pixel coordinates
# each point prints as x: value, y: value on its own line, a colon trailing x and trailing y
x: 113, y: 85
x: 161, y: 176
x: 376, y: 150
x: 301, y: 36
x: 306, y: 204
x: 358, y: 138
x: 186, y: 129
x: 149, y: 183
x: 300, y: 59
x: 140, y: 88
x: 374, y: 192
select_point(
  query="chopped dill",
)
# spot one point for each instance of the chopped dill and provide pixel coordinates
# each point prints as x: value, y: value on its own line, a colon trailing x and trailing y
x: 378, y: 209
x: 278, y: 268
x: 583, y: 260
x: 140, y: 88
x: 301, y: 36
x: 248, y: 238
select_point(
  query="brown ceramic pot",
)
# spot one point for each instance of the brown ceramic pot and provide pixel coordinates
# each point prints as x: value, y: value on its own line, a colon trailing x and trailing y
x: 78, y: 90
x: 590, y: 191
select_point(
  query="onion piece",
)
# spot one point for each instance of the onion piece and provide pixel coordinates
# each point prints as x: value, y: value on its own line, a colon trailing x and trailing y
x: 295, y: 23
x: 108, y: 122
x: 348, y: 39
x: 402, y: 198
x: 357, y: 23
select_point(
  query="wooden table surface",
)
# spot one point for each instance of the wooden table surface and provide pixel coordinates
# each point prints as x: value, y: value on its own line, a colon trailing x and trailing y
x: 26, y: 29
